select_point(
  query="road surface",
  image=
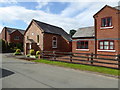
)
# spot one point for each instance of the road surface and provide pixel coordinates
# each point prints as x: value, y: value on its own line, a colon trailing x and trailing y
x: 19, y: 73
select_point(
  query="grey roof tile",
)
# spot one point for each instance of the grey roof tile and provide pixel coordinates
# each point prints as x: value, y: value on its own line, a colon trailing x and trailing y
x: 11, y: 30
x: 53, y: 29
x: 85, y: 32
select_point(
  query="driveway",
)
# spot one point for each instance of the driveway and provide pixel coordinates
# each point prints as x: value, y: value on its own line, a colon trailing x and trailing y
x: 19, y: 73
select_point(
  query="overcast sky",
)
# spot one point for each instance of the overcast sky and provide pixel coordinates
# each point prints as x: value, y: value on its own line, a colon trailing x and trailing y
x: 68, y: 14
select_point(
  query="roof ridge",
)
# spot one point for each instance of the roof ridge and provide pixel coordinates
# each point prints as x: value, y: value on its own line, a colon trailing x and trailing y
x: 85, y: 27
x: 47, y: 24
x: 14, y: 28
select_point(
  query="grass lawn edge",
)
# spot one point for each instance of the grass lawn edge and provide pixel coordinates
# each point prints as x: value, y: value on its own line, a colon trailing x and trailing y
x: 95, y: 69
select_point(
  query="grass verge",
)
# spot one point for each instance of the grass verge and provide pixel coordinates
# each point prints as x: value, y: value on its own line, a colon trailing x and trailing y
x: 81, y: 67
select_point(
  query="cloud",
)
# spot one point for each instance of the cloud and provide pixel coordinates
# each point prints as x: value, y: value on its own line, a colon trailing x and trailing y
x: 1, y: 27
x: 76, y: 15
x: 12, y: 13
x: 9, y: 1
x: 83, y: 12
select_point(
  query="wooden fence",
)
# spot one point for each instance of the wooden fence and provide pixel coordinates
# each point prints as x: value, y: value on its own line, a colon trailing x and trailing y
x: 111, y: 61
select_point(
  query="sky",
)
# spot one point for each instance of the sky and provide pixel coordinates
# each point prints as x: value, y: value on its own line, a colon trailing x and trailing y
x: 67, y: 14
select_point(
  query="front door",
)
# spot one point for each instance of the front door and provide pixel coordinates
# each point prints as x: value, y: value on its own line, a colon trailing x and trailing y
x: 28, y: 47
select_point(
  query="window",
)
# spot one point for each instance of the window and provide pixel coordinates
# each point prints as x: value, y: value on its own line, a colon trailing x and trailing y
x: 32, y: 33
x: 106, y: 45
x: 106, y: 22
x: 30, y: 46
x: 37, y: 38
x: 54, y: 42
x: 27, y: 37
x: 16, y: 37
x: 82, y: 44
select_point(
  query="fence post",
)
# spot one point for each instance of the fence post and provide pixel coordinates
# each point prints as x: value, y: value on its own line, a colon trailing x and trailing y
x: 54, y: 55
x: 42, y: 54
x: 118, y: 62
x: 92, y: 58
x: 70, y: 57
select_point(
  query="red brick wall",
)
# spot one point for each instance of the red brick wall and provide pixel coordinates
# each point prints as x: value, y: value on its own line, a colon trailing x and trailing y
x: 33, y: 29
x: 91, y: 46
x: 12, y: 35
x: 110, y: 32
x: 119, y: 32
x: 62, y: 44
x: 45, y: 40
x: 3, y: 34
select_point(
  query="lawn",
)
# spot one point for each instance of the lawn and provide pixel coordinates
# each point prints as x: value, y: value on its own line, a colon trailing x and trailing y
x: 81, y: 67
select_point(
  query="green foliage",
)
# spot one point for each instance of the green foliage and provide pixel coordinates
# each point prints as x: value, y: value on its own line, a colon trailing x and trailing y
x: 32, y: 52
x: 81, y: 67
x: 38, y: 53
x: 72, y: 32
x: 28, y: 55
x: 17, y: 52
x: 10, y: 47
x: 36, y: 56
x: 4, y: 45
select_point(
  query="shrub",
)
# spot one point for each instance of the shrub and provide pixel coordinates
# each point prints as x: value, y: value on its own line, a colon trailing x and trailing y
x: 17, y: 52
x: 32, y: 52
x: 36, y: 56
x: 38, y: 53
x: 28, y: 55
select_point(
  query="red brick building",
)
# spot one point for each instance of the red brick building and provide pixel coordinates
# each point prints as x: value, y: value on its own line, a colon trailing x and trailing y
x: 84, y: 40
x: 106, y: 36
x: 107, y: 30
x: 43, y: 36
x: 12, y: 35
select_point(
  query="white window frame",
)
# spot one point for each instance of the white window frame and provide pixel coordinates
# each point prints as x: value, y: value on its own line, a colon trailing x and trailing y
x: 30, y: 46
x: 54, y: 46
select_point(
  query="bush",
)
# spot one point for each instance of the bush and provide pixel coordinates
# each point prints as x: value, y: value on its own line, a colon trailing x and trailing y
x: 32, y: 52
x: 18, y: 52
x: 36, y: 56
x: 28, y: 55
x: 38, y: 53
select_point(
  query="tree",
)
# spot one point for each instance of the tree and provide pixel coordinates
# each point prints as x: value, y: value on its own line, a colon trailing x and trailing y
x: 72, y: 32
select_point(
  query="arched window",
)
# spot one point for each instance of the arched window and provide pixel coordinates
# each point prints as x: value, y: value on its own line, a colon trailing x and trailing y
x: 54, y: 42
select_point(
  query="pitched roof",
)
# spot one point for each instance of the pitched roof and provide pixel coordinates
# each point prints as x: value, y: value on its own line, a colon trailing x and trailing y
x: 47, y: 28
x: 85, y: 32
x: 115, y: 8
x: 11, y: 30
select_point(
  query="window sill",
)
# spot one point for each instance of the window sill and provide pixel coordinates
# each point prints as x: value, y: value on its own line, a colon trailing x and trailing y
x: 16, y: 39
x: 54, y: 47
x: 38, y: 44
x: 83, y: 49
x: 106, y: 27
x: 107, y: 50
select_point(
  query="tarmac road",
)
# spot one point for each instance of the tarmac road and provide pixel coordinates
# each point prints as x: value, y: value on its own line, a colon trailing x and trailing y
x: 19, y: 73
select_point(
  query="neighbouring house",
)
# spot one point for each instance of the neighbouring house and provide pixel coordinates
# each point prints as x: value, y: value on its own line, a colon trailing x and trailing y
x: 107, y: 30
x: 12, y: 35
x: 46, y: 37
x: 84, y: 40
x: 13, y: 39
